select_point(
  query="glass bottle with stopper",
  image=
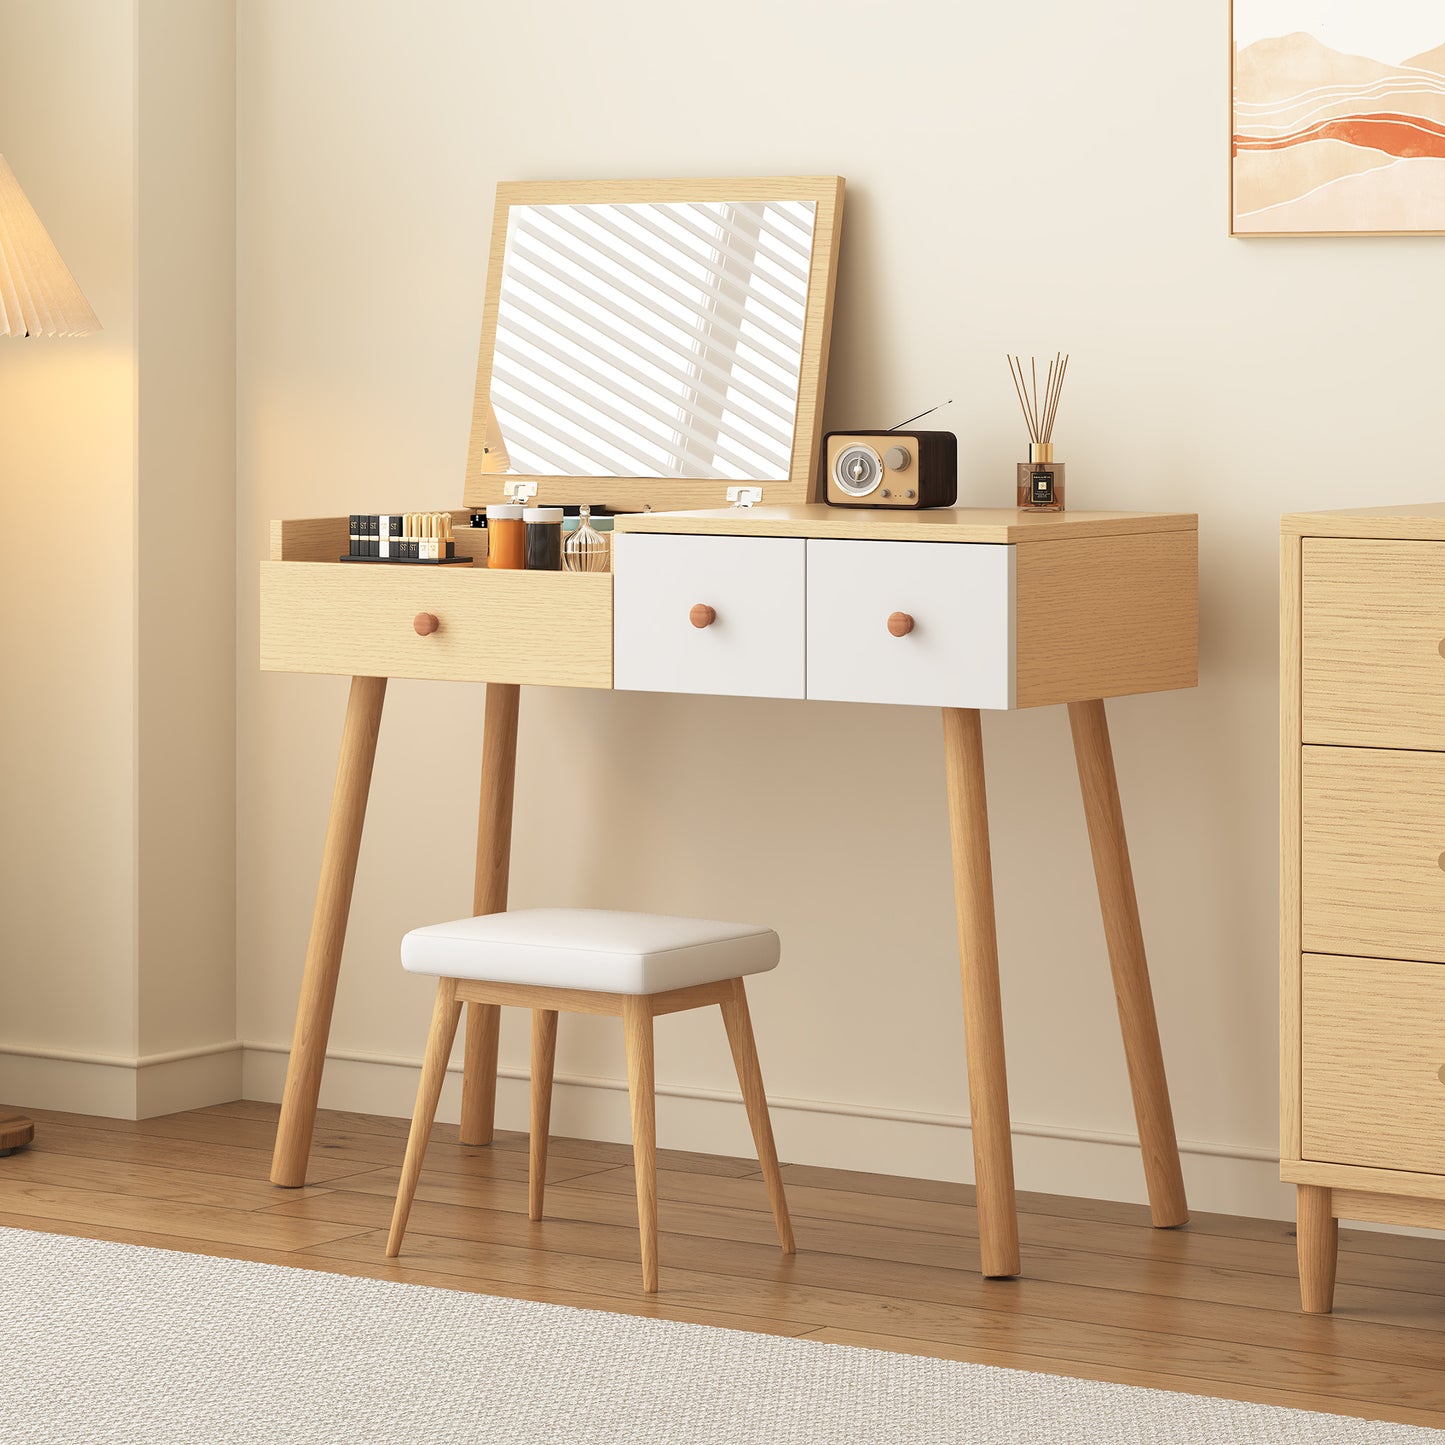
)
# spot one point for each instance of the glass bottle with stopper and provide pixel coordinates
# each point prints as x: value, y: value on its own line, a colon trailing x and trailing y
x: 587, y: 549
x: 1041, y: 478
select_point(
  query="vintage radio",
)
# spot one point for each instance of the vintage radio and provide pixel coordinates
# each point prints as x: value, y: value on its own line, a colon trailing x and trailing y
x: 890, y: 468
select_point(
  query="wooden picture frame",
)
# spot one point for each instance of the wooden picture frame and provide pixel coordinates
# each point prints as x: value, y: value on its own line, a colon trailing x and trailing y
x: 486, y: 479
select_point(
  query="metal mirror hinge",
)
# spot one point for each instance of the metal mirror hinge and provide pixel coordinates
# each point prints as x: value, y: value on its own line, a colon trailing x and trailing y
x: 744, y: 496
x: 520, y: 493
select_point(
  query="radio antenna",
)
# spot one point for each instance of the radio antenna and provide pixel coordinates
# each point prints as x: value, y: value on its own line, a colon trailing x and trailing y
x: 921, y: 415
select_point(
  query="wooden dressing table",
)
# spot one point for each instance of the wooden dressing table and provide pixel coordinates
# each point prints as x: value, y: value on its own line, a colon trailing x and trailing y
x: 1003, y: 610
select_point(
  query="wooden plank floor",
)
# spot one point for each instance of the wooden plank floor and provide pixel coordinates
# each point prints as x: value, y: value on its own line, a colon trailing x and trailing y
x: 883, y: 1262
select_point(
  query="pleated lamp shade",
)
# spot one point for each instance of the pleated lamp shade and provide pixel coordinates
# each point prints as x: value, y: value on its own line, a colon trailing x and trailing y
x: 38, y: 295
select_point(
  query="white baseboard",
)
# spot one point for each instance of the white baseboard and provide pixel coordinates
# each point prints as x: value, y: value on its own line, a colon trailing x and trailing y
x: 1225, y: 1179
x: 117, y: 1087
x: 1219, y: 1178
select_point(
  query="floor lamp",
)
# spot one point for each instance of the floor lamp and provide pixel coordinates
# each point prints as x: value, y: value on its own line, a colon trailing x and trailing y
x: 38, y: 297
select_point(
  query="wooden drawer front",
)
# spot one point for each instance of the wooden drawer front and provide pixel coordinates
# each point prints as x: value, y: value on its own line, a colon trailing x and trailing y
x: 1373, y: 1046
x: 754, y: 645
x: 1373, y: 839
x: 1373, y: 621
x: 551, y: 628
x: 960, y: 597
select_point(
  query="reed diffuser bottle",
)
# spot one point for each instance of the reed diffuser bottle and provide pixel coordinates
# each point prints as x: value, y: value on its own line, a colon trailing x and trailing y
x: 1041, y: 478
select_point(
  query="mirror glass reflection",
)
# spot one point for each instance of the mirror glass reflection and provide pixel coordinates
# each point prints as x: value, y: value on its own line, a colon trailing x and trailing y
x: 652, y: 340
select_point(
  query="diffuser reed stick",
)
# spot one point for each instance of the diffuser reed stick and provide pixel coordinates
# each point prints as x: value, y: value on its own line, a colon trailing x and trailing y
x: 1039, y: 416
x: 1040, y: 479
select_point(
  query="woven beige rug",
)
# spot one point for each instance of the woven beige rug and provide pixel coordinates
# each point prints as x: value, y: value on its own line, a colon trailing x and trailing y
x: 114, y: 1343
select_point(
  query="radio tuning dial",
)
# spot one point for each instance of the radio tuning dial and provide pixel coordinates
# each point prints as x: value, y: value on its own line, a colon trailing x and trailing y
x: 896, y: 459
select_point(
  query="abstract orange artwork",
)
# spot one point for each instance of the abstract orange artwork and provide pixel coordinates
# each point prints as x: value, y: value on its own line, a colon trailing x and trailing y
x: 1339, y: 117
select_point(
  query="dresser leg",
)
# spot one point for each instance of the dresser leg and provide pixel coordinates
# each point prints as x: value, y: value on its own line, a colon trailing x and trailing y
x: 982, y: 1005
x: 489, y: 895
x: 328, y: 932
x: 1318, y: 1236
x: 1119, y: 906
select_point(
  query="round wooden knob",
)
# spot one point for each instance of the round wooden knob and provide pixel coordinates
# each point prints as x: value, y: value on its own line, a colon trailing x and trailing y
x: 425, y: 623
x: 900, y: 624
x: 1441, y: 1074
x: 702, y: 615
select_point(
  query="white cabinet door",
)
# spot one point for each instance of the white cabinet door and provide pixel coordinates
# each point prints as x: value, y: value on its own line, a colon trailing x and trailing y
x: 958, y: 602
x: 753, y: 644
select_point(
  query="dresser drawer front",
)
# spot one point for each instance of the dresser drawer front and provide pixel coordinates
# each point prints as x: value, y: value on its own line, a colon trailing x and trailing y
x: 545, y: 628
x: 1372, y: 625
x: 1372, y: 842
x: 959, y: 602
x: 753, y: 647
x: 1373, y: 1050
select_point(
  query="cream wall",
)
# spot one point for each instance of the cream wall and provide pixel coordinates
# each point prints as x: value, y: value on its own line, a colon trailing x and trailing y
x: 1019, y: 178
x: 67, y: 728
x: 117, y: 849
x: 186, y: 529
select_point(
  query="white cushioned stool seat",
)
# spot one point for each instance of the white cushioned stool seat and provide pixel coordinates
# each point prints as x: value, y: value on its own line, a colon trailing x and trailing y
x: 596, y: 949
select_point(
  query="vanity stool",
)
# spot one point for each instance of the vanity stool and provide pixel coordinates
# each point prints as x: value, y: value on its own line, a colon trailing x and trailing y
x: 585, y: 960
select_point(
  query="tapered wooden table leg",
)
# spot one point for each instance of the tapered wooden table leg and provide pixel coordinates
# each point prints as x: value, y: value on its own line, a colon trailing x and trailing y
x: 328, y: 931
x: 982, y: 1005
x: 489, y: 895
x: 1120, y: 908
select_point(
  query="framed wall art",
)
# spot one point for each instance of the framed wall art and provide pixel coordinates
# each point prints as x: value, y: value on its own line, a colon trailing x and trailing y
x: 1338, y: 117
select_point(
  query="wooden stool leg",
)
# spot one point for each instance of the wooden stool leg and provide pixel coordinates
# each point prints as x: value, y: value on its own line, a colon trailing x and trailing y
x: 1120, y: 908
x: 750, y: 1077
x: 445, y: 1013
x: 641, y: 1086
x: 479, y: 1073
x: 489, y: 895
x: 328, y: 932
x: 1318, y: 1238
x: 544, y: 1057
x: 982, y: 1004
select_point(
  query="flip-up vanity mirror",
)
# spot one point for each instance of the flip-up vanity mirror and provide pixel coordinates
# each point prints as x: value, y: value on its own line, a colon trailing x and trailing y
x: 647, y: 344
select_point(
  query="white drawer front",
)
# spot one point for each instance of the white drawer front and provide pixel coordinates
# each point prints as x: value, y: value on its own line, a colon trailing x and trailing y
x: 960, y: 597
x: 753, y: 648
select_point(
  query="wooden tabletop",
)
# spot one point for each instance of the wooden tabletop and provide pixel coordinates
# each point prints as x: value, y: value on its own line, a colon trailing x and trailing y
x: 933, y: 524
x: 1415, y: 521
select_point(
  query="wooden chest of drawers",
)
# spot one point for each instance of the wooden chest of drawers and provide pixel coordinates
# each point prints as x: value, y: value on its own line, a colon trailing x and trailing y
x: 1362, y: 880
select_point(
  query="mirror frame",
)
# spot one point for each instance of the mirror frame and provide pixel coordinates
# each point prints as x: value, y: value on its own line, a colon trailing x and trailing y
x: 484, y: 482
